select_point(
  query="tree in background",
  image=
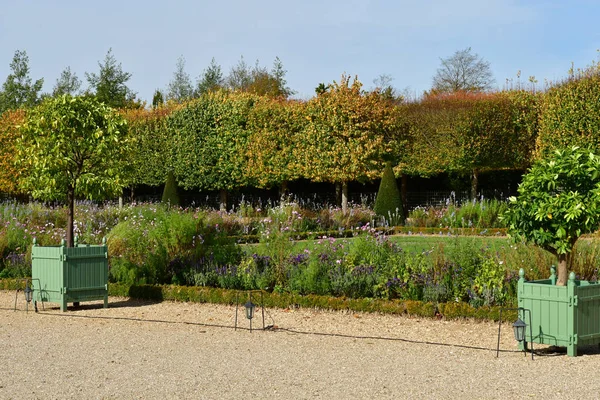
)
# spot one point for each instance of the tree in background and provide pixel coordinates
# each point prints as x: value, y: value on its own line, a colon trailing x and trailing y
x: 10, y: 174
x: 570, y: 113
x: 180, y: 88
x: 151, y: 158
x: 157, y: 99
x: 558, y: 201
x: 67, y: 83
x: 463, y: 72
x: 210, y: 142
x: 274, y: 126
x: 278, y: 74
x: 73, y: 147
x: 18, y: 90
x: 240, y: 76
x: 110, y: 84
x: 346, y: 136
x: 259, y: 80
x: 210, y: 80
x: 383, y: 83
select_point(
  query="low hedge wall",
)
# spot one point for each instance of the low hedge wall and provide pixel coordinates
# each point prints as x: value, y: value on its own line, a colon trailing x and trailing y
x: 197, y: 294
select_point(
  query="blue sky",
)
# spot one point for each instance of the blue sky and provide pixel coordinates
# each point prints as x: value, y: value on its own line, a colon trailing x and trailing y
x: 317, y: 40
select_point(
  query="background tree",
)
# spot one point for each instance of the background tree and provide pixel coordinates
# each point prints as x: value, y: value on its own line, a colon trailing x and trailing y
x: 558, y: 201
x: 73, y: 147
x: 157, y: 99
x: 67, y: 83
x: 18, y: 90
x: 278, y: 73
x: 210, y: 142
x: 10, y: 174
x: 210, y: 80
x: 383, y: 83
x: 180, y: 87
x: 240, y: 76
x: 110, y: 84
x: 274, y: 126
x: 464, y: 72
x: 345, y: 138
x: 570, y: 113
x: 150, y: 160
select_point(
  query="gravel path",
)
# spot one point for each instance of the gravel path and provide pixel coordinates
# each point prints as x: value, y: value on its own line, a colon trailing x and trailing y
x: 137, y: 350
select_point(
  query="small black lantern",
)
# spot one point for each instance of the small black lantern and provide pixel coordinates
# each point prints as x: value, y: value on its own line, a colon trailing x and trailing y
x: 519, y: 330
x: 28, y: 293
x: 249, y: 309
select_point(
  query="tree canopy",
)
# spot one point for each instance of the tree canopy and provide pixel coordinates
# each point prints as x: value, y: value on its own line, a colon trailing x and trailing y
x: 73, y: 147
x: 463, y: 72
x: 110, y: 84
x: 557, y: 202
x: 18, y: 90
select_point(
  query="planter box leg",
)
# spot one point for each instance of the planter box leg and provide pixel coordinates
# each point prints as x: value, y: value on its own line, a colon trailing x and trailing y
x: 572, y: 350
x: 106, y: 301
x: 63, y: 303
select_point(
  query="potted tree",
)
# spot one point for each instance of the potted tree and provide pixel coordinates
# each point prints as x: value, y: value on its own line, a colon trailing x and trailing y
x: 558, y: 201
x: 72, y: 147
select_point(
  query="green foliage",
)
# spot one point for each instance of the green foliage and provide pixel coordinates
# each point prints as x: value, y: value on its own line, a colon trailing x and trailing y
x: 210, y: 141
x: 18, y: 90
x: 275, y: 129
x: 211, y: 79
x: 157, y: 99
x: 461, y: 132
x: 159, y: 246
x: 170, y: 196
x: 558, y: 200
x: 180, y: 87
x: 73, y: 144
x: 67, y: 83
x: 110, y: 84
x: 482, y: 215
x: 73, y: 147
x: 388, y: 202
x: 347, y: 135
x: 570, y: 113
x: 153, y: 150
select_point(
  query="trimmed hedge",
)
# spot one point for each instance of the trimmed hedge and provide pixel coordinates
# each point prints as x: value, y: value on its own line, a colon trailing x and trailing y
x: 197, y: 294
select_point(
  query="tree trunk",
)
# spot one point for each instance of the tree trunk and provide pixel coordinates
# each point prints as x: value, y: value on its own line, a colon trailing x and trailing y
x: 223, y: 200
x: 283, y: 193
x: 403, y: 195
x: 344, y: 198
x: 70, y: 215
x: 474, y: 184
x: 338, y: 194
x: 563, y: 275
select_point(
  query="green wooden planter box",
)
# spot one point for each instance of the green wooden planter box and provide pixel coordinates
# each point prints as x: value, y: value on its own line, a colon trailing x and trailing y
x: 566, y: 316
x: 70, y: 274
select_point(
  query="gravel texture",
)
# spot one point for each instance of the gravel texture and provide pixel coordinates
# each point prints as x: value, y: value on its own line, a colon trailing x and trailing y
x: 140, y: 350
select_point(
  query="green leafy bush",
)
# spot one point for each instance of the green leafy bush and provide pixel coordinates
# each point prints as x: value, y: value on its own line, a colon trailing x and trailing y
x: 388, y: 203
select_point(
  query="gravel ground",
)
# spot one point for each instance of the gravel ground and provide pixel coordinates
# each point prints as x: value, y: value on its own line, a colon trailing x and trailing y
x: 140, y: 350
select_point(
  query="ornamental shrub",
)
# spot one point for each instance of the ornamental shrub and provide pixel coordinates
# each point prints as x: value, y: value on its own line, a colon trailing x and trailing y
x: 170, y: 196
x: 388, y: 203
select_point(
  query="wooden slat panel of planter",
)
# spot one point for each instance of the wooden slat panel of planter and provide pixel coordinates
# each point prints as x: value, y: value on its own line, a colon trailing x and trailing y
x: 70, y: 274
x: 566, y: 316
